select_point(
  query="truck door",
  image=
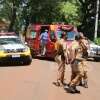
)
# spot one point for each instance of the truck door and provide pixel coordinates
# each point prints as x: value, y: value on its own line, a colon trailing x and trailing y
x: 51, y: 44
x: 36, y: 41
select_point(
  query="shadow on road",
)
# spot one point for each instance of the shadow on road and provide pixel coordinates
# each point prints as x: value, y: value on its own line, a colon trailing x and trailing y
x: 65, y: 87
x: 52, y: 59
x: 44, y: 58
x: 93, y: 60
x: 11, y: 64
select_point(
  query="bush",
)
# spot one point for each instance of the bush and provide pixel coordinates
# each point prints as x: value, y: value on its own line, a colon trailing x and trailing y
x: 97, y: 41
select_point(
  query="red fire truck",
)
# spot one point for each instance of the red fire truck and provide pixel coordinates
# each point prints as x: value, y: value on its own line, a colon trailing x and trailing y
x: 54, y: 31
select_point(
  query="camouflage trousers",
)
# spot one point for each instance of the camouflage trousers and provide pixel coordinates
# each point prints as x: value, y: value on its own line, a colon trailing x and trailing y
x: 60, y: 59
x: 79, y: 72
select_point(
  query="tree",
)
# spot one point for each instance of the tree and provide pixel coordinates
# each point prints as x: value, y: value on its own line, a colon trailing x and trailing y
x: 71, y: 12
x: 88, y: 12
x: 10, y: 11
x: 24, y: 12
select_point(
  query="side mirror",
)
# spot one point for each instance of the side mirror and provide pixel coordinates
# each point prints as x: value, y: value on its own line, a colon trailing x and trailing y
x: 26, y: 43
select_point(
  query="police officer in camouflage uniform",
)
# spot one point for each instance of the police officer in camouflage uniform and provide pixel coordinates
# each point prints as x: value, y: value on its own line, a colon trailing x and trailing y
x: 77, y: 65
x: 84, y: 45
x: 61, y: 57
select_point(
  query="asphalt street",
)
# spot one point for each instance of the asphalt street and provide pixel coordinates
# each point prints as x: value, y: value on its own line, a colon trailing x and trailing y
x: 35, y: 82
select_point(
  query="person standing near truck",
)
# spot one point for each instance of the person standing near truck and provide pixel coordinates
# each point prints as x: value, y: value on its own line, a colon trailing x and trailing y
x: 43, y: 41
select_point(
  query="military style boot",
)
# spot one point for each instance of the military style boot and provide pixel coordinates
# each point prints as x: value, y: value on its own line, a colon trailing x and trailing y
x: 81, y: 83
x: 72, y: 89
x: 85, y: 84
x: 76, y: 90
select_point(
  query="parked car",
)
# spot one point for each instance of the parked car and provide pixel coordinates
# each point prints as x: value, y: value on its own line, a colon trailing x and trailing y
x: 94, y: 51
x: 12, y: 48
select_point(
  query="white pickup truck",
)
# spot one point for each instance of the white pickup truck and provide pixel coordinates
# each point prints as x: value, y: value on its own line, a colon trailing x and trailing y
x: 94, y: 51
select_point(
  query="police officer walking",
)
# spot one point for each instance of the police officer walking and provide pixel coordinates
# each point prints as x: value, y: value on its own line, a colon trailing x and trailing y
x: 61, y: 58
x: 77, y: 65
x: 85, y: 45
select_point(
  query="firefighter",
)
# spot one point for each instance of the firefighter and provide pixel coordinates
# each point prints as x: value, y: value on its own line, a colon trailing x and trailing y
x: 77, y: 65
x: 61, y: 58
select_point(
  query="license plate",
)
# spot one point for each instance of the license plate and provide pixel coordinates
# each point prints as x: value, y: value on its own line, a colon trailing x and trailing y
x: 16, y: 56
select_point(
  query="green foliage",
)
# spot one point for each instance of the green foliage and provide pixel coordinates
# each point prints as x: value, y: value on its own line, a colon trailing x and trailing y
x: 10, y: 10
x: 23, y: 12
x: 71, y: 12
x: 88, y: 13
x: 97, y: 41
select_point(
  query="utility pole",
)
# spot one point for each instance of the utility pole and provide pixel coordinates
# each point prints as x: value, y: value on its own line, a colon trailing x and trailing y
x: 96, y: 19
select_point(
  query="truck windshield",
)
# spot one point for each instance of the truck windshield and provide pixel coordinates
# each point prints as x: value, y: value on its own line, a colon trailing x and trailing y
x: 59, y: 32
x: 33, y: 34
x: 70, y: 35
x: 4, y: 41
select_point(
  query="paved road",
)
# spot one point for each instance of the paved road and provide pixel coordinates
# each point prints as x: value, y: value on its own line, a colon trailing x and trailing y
x: 35, y: 82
